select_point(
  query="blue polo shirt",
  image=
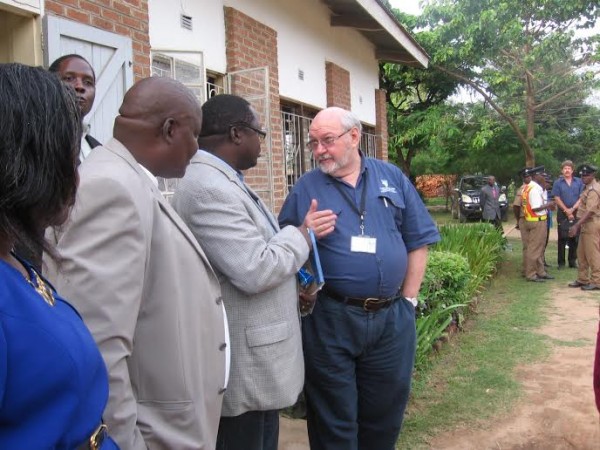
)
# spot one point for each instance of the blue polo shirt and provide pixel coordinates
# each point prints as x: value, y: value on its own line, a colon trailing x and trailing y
x: 568, y: 194
x: 394, y: 214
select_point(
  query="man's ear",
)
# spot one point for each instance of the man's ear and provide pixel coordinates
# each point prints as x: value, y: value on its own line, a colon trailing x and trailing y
x: 355, y: 135
x: 168, y: 129
x: 234, y: 135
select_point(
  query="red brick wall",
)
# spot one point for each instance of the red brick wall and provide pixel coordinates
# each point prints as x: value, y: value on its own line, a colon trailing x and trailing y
x: 125, y: 17
x: 338, y: 86
x: 381, y: 129
x: 251, y: 44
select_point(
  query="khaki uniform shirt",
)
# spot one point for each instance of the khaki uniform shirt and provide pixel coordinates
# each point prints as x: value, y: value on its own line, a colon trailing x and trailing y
x: 518, y: 200
x: 590, y: 201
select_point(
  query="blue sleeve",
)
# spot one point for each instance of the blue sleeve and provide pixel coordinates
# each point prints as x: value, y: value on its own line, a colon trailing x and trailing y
x: 3, y: 363
x: 417, y: 227
x: 555, y: 190
x: 294, y: 208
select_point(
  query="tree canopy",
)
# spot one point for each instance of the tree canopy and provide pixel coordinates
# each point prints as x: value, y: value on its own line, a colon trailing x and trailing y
x: 531, y: 66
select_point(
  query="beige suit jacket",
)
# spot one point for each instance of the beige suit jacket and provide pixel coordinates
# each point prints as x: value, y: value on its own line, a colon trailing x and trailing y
x: 153, y: 303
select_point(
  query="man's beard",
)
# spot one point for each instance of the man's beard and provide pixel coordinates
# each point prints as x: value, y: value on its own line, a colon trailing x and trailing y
x: 330, y: 166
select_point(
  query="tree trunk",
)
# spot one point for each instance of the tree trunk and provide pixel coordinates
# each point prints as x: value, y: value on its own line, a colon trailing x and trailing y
x: 529, y: 154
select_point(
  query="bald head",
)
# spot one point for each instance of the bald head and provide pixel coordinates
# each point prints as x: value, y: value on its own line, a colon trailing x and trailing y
x: 334, y: 114
x: 159, y: 122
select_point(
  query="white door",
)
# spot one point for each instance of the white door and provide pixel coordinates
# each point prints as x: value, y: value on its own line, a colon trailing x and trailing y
x: 109, y: 54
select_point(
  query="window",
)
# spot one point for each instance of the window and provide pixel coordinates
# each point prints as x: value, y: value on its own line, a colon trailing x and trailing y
x: 186, y: 67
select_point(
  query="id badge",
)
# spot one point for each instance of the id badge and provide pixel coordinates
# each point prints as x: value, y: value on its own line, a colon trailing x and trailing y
x: 363, y: 244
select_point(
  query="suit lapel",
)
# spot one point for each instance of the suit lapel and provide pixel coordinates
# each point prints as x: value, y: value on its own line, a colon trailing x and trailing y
x: 200, y: 158
x: 119, y: 149
x: 178, y: 222
x: 263, y: 207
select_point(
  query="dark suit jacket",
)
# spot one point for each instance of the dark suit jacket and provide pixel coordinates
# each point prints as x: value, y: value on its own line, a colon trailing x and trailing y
x: 489, y: 204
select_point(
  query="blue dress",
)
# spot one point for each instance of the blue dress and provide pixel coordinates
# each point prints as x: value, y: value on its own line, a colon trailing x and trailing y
x: 53, y: 381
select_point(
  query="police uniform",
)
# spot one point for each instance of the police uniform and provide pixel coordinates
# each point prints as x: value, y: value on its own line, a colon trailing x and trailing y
x: 588, y: 251
x: 534, y: 229
x: 518, y: 202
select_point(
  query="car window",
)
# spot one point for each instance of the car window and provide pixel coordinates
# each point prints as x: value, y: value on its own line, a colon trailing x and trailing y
x: 473, y: 183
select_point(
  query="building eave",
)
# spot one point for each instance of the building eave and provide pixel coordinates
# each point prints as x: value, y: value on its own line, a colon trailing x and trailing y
x: 392, y: 42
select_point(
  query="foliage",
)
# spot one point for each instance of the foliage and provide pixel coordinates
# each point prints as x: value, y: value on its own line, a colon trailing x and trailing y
x: 480, y: 244
x: 430, y: 327
x: 474, y: 378
x: 529, y: 63
x: 465, y: 258
x: 443, y: 293
x: 522, y: 56
x: 446, y: 280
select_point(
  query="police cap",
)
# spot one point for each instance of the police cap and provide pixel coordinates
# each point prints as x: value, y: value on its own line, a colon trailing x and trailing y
x: 533, y: 170
x: 586, y: 169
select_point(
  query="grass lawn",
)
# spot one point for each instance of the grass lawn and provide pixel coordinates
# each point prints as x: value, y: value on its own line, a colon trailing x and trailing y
x: 472, y: 377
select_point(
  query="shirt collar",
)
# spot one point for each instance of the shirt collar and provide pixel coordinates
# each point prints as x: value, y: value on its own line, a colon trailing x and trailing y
x: 150, y: 175
x: 222, y: 162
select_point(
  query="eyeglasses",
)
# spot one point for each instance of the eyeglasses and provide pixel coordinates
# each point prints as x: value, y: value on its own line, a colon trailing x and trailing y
x: 261, y: 133
x: 327, y: 142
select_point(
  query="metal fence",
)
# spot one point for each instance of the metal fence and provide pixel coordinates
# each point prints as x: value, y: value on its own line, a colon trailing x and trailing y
x: 298, y: 159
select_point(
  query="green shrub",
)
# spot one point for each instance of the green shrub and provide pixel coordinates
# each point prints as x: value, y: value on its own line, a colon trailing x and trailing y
x: 446, y: 280
x: 457, y: 269
x: 444, y: 292
x: 480, y: 244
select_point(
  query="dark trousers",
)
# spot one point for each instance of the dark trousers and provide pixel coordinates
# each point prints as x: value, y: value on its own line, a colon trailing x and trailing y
x: 254, y: 430
x: 564, y: 240
x: 497, y: 222
x: 571, y: 254
x: 358, y: 373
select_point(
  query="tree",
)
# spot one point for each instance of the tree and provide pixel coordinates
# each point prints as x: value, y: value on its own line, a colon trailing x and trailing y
x: 418, y: 116
x: 522, y: 56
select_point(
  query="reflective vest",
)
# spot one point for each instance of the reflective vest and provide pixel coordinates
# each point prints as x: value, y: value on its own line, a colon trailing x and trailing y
x: 528, y: 213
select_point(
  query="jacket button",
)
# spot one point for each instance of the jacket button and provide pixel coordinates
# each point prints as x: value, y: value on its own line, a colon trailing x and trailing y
x: 223, y: 346
x: 222, y: 390
x: 219, y: 300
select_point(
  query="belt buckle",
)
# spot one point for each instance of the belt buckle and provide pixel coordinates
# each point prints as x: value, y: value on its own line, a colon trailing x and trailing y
x: 97, y: 437
x: 376, y: 302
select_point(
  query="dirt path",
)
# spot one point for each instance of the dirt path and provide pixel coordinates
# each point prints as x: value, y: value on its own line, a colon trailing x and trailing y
x: 557, y: 409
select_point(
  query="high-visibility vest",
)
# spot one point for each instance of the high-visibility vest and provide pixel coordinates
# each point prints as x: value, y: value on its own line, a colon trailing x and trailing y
x: 528, y: 213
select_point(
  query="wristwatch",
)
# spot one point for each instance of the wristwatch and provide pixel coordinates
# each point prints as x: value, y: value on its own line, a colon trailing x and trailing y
x: 413, y: 300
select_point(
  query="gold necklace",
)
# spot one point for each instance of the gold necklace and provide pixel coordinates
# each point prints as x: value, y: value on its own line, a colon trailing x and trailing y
x: 41, y: 288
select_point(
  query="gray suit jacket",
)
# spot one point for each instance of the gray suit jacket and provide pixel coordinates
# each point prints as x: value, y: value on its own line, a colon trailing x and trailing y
x: 257, y: 265
x: 489, y: 205
x: 150, y: 298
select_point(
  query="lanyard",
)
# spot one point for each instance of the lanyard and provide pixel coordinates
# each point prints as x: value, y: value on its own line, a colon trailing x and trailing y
x: 363, y: 198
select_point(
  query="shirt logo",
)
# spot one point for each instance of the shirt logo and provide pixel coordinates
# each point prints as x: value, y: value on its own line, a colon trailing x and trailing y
x: 386, y: 188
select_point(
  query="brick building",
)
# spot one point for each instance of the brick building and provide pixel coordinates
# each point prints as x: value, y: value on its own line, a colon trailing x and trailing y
x: 289, y: 58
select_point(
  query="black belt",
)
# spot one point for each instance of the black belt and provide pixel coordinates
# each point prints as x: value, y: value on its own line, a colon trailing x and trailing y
x: 369, y: 304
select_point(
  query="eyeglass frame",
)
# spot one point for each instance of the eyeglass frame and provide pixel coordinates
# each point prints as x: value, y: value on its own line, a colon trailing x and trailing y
x: 262, y: 134
x: 325, y: 142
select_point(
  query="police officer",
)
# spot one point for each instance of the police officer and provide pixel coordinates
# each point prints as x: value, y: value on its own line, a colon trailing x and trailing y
x: 535, y: 229
x: 518, y: 211
x: 588, y: 225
